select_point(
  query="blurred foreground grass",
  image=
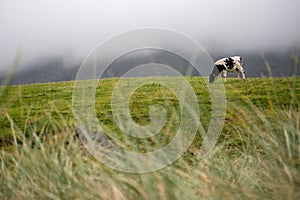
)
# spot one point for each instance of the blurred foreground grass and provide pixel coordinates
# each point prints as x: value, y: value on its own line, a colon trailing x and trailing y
x: 257, y: 156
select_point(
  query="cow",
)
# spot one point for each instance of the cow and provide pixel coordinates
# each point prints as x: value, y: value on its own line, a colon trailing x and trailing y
x: 228, y: 64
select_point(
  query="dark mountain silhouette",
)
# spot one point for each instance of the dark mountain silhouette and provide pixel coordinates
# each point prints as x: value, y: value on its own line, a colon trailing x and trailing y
x: 282, y: 64
x: 52, y: 70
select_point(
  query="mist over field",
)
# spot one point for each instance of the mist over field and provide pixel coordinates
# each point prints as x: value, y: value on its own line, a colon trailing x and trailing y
x: 53, y: 37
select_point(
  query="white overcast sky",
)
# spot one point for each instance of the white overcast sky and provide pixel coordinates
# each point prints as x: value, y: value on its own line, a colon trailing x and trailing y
x: 46, y: 28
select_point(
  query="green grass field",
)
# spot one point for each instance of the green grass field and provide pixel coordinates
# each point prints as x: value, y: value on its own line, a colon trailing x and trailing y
x: 257, y: 155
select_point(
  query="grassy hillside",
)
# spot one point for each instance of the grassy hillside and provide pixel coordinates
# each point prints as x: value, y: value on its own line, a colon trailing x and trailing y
x: 40, y: 108
x: 257, y: 155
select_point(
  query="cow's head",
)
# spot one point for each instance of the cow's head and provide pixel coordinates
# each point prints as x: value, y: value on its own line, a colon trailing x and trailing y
x: 215, y: 72
x: 212, y: 78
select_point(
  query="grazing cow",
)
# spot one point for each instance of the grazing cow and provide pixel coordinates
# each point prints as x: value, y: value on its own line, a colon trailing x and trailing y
x: 229, y: 64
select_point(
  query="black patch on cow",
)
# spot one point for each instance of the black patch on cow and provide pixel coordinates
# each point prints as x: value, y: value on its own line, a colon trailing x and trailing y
x: 229, y: 62
x: 237, y: 69
x: 220, y: 67
x: 215, y: 71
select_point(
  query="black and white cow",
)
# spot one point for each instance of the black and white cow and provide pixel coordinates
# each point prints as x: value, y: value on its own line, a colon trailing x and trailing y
x: 229, y: 64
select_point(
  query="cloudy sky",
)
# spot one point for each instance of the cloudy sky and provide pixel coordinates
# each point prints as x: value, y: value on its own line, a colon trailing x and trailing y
x: 71, y: 28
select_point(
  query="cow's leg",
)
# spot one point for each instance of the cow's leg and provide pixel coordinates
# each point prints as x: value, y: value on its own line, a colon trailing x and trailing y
x: 238, y: 74
x: 224, y: 72
x: 243, y: 74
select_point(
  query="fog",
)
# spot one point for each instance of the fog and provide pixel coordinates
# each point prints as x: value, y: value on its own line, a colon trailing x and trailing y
x: 71, y: 28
